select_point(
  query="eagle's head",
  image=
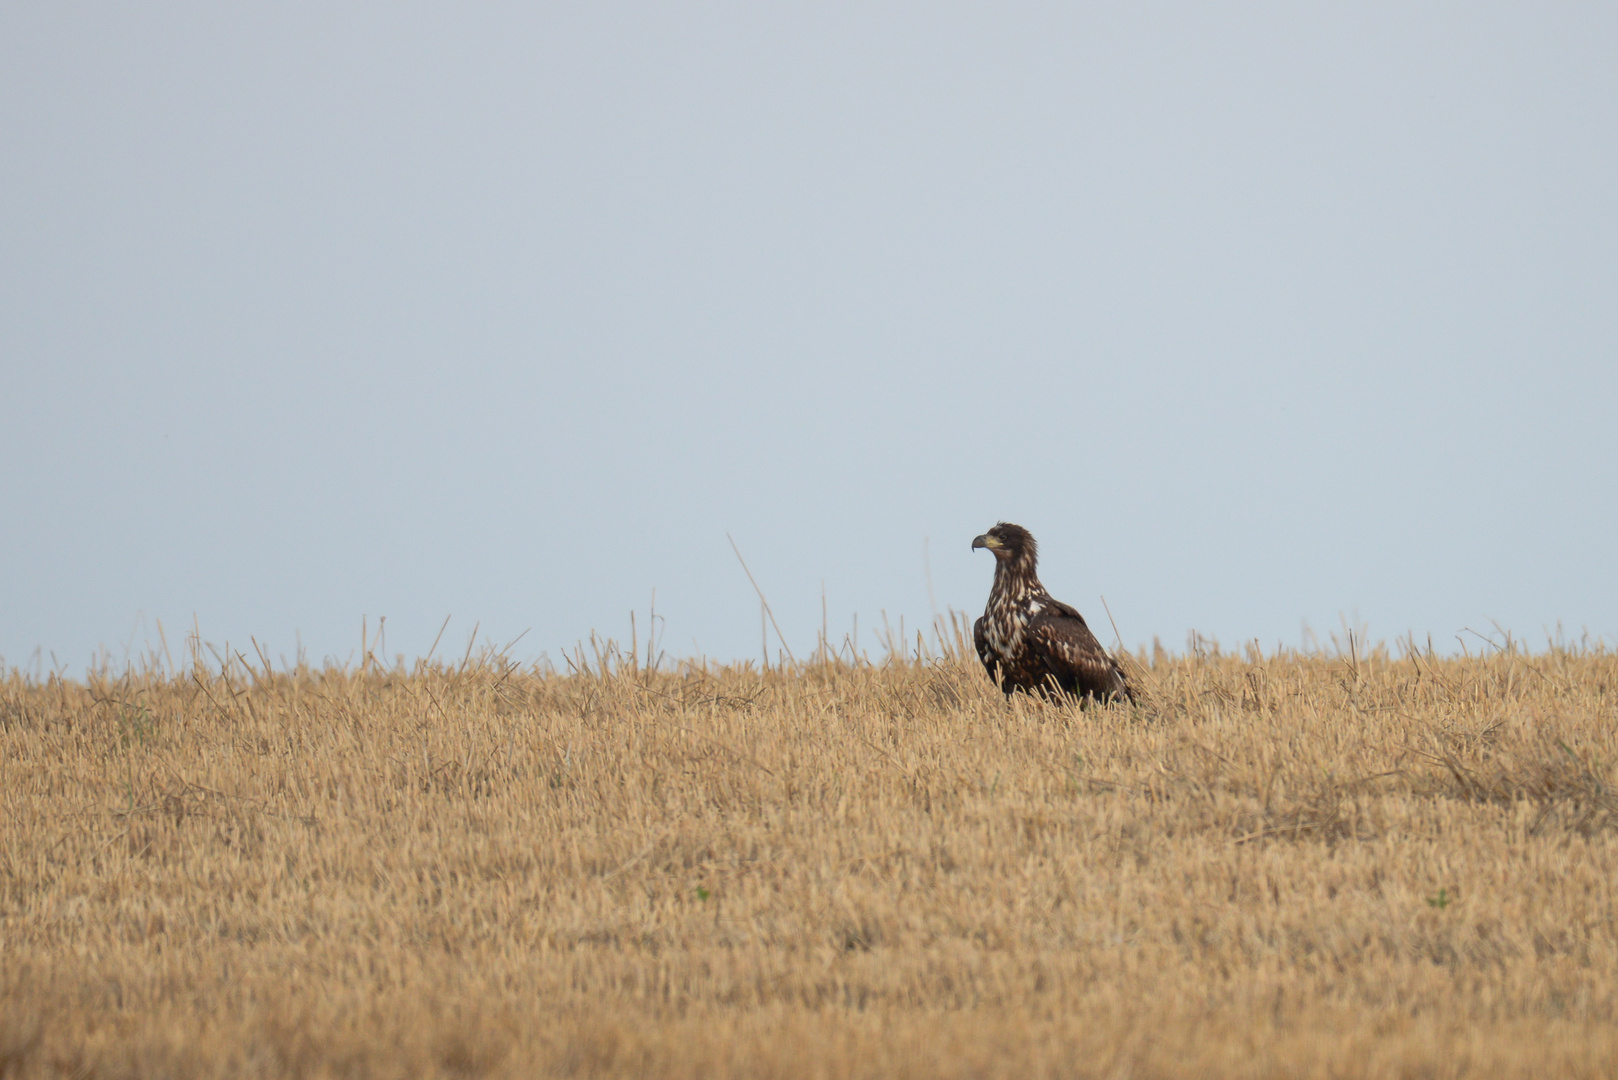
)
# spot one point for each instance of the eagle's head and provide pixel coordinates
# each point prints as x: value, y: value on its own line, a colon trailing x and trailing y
x: 1010, y: 543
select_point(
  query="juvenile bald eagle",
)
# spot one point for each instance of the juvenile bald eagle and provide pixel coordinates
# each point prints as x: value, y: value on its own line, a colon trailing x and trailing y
x: 1032, y: 642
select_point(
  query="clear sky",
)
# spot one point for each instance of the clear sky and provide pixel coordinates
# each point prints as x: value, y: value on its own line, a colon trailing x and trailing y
x: 1256, y: 314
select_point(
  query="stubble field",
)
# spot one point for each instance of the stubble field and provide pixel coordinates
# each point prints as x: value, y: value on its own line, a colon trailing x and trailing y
x: 1274, y: 867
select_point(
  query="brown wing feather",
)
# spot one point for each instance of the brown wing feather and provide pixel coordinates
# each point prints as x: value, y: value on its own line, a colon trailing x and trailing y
x: 1074, y: 656
x: 980, y: 639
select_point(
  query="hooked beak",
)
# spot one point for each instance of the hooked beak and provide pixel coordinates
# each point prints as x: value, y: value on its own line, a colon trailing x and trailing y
x: 985, y: 541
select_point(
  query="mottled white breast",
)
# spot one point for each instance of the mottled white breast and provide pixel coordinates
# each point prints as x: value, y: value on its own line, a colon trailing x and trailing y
x: 1006, y: 622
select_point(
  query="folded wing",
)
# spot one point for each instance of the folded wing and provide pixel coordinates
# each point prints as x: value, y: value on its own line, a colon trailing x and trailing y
x: 1074, y: 658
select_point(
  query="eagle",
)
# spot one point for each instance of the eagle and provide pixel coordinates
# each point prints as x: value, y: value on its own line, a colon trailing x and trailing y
x: 1032, y: 642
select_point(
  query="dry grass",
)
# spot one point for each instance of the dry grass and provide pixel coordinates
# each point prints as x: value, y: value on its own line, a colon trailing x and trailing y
x: 1277, y: 867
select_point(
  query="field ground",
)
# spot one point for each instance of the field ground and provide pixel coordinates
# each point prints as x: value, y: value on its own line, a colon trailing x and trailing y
x: 1274, y: 867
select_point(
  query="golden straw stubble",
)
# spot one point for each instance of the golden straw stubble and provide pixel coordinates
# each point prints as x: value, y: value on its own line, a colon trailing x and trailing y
x: 1281, y: 866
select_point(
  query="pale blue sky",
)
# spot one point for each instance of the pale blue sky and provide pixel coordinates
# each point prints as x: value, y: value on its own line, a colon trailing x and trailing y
x: 1254, y: 314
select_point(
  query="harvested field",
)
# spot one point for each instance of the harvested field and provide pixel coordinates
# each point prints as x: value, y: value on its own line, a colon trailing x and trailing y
x: 1275, y: 867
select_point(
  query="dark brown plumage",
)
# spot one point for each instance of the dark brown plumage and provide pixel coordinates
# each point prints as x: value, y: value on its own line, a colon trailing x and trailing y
x: 1032, y: 642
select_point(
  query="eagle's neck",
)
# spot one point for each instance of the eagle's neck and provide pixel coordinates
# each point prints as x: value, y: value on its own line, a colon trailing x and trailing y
x: 1016, y: 597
